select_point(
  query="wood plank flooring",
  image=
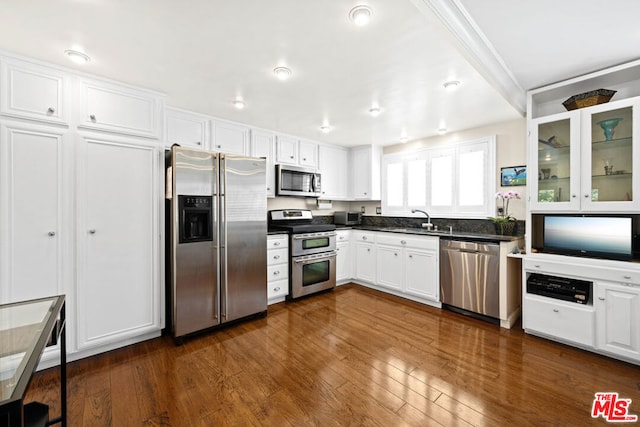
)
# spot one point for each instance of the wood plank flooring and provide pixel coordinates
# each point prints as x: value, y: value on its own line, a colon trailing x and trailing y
x: 353, y: 356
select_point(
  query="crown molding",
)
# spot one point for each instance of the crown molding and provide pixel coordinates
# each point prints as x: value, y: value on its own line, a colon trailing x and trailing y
x: 476, y: 48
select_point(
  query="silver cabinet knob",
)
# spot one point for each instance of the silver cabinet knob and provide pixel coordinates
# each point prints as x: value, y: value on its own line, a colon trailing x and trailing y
x: 537, y: 265
x: 92, y: 117
x: 276, y: 243
x: 51, y: 110
x: 601, y: 299
x: 304, y: 159
x: 92, y: 231
x: 364, y: 237
x: 276, y: 257
x: 410, y: 256
x: 586, y: 196
x: 219, y: 146
x: 198, y: 143
x: 574, y: 196
x: 368, y: 249
x: 395, y: 254
x: 275, y: 273
x: 404, y: 242
x: 276, y: 289
x: 555, y: 310
x: 51, y: 233
x: 337, y: 249
x: 627, y: 277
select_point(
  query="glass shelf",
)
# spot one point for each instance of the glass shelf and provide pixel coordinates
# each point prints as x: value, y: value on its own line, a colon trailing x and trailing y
x: 614, y: 143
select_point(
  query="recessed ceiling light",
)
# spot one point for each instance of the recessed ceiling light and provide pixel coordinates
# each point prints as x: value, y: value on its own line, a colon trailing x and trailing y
x: 238, y: 103
x: 282, y: 73
x: 77, y: 56
x: 360, y: 15
x: 375, y: 111
x: 326, y: 128
x: 451, y: 84
x: 404, y: 138
x: 442, y: 131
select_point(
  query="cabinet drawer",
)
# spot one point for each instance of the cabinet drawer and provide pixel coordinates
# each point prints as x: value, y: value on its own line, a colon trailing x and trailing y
x: 561, y: 320
x: 407, y: 240
x: 363, y: 236
x: 342, y: 235
x: 279, y: 288
x: 586, y: 269
x: 277, y: 242
x: 277, y: 272
x: 277, y: 256
x: 121, y: 109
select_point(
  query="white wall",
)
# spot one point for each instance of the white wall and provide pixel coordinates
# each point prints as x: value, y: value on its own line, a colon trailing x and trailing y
x: 511, y: 150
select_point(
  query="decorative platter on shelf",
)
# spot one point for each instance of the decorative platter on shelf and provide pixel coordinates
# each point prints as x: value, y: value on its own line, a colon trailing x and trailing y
x: 588, y: 99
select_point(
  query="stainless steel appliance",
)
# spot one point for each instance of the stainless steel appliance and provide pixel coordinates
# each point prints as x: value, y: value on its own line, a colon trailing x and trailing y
x: 218, y: 239
x: 313, y: 251
x: 347, y: 218
x: 297, y: 181
x: 469, y: 276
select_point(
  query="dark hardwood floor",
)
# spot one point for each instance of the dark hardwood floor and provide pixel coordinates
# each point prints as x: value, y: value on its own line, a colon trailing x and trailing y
x: 353, y: 356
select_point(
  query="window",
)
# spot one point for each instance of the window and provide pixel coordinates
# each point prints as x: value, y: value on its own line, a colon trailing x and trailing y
x: 457, y: 181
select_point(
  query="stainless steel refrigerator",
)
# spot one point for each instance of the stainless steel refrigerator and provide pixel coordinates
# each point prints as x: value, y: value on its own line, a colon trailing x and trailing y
x: 219, y: 238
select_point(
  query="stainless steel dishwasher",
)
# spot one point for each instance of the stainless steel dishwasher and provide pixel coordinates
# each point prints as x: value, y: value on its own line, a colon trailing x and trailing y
x: 469, y: 276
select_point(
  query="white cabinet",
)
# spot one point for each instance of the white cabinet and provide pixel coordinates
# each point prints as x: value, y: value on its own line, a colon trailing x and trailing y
x: 389, y: 266
x: 117, y: 108
x: 277, y: 267
x: 308, y: 154
x: 618, y: 318
x: 118, y: 279
x: 186, y: 129
x: 422, y: 273
x: 263, y: 145
x: 286, y: 150
x: 333, y: 163
x: 365, y: 255
x: 343, y: 256
x: 33, y: 91
x: 365, y: 172
x: 35, y: 212
x: 229, y: 138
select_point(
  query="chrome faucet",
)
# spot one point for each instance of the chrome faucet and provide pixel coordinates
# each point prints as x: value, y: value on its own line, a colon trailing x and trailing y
x: 427, y: 224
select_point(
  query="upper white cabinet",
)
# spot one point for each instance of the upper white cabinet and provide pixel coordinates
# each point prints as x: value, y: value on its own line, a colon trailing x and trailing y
x: 286, y: 150
x: 230, y: 138
x: 263, y: 145
x: 117, y: 108
x: 308, y: 154
x: 33, y: 91
x: 334, y: 165
x: 365, y: 172
x: 583, y: 159
x: 186, y: 129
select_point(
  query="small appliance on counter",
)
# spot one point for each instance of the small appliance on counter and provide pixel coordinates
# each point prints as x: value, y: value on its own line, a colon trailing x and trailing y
x: 347, y: 218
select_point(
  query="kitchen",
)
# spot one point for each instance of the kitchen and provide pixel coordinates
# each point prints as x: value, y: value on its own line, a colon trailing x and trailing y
x: 102, y: 144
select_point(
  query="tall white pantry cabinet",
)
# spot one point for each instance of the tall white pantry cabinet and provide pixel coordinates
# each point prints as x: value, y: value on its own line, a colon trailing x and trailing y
x: 81, y: 175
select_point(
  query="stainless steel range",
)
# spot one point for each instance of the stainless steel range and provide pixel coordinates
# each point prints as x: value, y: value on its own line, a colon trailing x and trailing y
x: 312, y: 266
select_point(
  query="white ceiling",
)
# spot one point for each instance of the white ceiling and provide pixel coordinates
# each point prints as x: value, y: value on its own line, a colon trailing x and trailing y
x: 204, y: 53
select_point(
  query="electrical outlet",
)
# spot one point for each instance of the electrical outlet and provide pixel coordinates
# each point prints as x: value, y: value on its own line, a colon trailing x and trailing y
x: 362, y: 209
x: 500, y: 211
x: 378, y: 210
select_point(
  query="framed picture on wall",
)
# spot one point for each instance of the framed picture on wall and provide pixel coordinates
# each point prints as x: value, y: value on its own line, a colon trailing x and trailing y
x: 513, y: 175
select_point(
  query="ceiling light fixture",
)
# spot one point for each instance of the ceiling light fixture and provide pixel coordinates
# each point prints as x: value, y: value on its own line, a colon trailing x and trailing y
x: 451, y: 84
x: 404, y: 138
x: 282, y: 73
x: 442, y: 131
x: 77, y: 56
x: 326, y: 128
x: 360, y: 15
x: 375, y: 111
x: 238, y: 103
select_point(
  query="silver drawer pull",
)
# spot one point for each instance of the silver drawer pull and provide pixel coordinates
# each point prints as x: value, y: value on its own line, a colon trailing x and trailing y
x: 51, y: 233
x: 51, y: 110
x: 276, y: 243
x: 537, y: 265
x: 555, y: 310
x: 395, y: 254
x: 92, y: 231
x: 276, y: 257
x: 404, y: 242
x: 275, y: 273
x: 364, y: 237
x: 276, y: 289
x: 92, y: 117
x: 627, y: 277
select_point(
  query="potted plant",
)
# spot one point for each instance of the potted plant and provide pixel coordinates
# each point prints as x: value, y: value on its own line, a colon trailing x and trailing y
x: 505, y: 223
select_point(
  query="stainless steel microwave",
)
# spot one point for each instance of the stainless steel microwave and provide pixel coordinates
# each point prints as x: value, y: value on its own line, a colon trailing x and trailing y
x: 347, y: 218
x: 297, y: 181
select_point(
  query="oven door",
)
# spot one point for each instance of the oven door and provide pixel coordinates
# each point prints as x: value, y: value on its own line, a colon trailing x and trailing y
x: 312, y: 273
x: 312, y: 243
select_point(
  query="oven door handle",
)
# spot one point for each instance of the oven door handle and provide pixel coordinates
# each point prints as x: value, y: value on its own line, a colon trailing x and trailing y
x: 306, y: 236
x: 311, y: 258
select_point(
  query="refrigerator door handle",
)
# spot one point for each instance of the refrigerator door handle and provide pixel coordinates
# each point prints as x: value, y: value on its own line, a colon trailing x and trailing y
x: 216, y: 251
x: 223, y: 235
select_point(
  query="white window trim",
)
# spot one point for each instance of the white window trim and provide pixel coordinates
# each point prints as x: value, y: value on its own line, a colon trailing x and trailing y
x: 455, y: 211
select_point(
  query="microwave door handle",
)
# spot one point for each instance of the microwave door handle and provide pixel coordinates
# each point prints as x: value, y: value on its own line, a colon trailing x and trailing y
x: 313, y: 183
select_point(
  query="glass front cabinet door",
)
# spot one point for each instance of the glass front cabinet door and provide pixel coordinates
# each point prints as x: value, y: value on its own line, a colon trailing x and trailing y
x: 554, y: 175
x: 609, y: 134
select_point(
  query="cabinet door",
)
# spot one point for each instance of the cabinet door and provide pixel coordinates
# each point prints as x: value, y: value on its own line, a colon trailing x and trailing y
x: 609, y: 134
x: 334, y: 164
x: 186, y: 129
x: 308, y: 154
x: 120, y: 109
x: 390, y: 271
x: 263, y: 145
x: 365, y: 262
x: 422, y: 274
x: 118, y: 287
x: 286, y: 150
x: 343, y: 262
x: 365, y: 173
x: 618, y: 319
x: 33, y: 195
x: 554, y: 172
x: 230, y: 138
x: 33, y: 91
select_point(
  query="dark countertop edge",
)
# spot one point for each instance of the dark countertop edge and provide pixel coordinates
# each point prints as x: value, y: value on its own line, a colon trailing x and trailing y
x: 420, y: 232
x: 276, y: 232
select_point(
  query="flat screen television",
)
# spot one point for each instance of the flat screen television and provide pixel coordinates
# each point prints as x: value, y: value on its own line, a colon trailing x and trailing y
x: 590, y: 236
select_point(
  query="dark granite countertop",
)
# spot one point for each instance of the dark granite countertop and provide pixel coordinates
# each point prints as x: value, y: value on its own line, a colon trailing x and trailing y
x: 275, y: 232
x: 441, y: 233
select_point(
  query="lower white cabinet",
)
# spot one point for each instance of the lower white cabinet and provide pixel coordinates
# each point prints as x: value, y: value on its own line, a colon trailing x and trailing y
x: 277, y: 267
x: 343, y: 256
x: 365, y: 256
x: 618, y: 318
x: 390, y: 263
x: 565, y: 320
x: 118, y: 275
x: 422, y: 273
